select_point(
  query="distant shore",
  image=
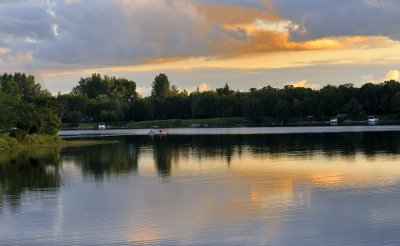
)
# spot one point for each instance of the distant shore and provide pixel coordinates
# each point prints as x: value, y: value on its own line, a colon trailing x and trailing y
x: 232, y: 130
x: 230, y: 122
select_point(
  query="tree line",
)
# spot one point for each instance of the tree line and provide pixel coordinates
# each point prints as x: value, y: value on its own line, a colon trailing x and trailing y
x: 98, y: 98
x: 25, y: 106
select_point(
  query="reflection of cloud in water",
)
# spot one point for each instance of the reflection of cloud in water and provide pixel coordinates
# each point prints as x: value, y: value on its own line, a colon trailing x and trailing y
x: 255, y: 191
x: 235, y: 189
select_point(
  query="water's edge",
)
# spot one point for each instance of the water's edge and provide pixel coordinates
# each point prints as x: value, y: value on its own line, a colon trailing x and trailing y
x: 233, y: 131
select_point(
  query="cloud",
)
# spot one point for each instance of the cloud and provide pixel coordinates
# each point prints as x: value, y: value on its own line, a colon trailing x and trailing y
x: 392, y: 75
x: 204, y: 87
x: 236, y: 16
x: 143, y: 90
x: 369, y: 78
x: 321, y: 18
x: 201, y: 88
x: 108, y: 32
x: 75, y: 34
x: 122, y: 32
x: 304, y: 83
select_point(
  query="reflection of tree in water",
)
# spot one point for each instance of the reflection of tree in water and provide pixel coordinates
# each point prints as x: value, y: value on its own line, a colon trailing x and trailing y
x: 107, y: 159
x: 26, y: 171
x: 223, y: 146
x: 169, y: 150
x: 163, y: 148
x: 163, y: 160
x: 177, y: 149
x: 345, y: 144
x: 40, y: 169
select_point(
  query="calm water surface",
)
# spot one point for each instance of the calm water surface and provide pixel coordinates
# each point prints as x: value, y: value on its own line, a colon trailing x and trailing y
x: 290, y: 189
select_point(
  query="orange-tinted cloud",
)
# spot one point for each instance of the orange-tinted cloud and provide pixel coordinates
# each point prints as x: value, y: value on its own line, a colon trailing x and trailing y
x: 393, y: 75
x: 304, y: 83
x: 267, y: 41
x: 235, y: 16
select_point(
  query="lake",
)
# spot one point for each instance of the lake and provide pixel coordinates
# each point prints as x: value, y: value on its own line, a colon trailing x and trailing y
x: 336, y: 188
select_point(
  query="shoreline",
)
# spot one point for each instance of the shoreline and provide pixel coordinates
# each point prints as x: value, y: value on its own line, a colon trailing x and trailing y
x: 230, y: 131
x: 10, y: 144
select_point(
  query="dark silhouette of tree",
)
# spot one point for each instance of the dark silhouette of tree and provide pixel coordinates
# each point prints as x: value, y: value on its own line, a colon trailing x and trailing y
x: 161, y: 86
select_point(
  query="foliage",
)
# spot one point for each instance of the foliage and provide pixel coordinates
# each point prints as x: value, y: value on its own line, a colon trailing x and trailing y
x: 112, y: 87
x: 253, y: 109
x: 279, y: 105
x: 161, y: 86
x: 25, y: 108
x: 7, y: 142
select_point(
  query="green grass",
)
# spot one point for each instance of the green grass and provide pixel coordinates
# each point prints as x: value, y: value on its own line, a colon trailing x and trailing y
x: 231, y: 122
x: 44, y: 141
x: 217, y: 122
x: 92, y: 125
x: 7, y: 142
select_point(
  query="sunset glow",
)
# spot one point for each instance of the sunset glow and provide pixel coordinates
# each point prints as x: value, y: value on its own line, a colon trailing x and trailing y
x: 72, y: 39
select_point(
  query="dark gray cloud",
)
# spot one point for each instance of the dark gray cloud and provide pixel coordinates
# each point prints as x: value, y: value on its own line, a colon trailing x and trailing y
x: 112, y: 32
x: 105, y: 32
x: 116, y: 32
x: 61, y: 33
x: 27, y: 20
x: 321, y: 18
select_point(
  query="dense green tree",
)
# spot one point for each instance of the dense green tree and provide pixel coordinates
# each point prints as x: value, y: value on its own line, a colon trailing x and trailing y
x: 20, y: 86
x: 225, y: 106
x: 25, y: 108
x: 104, y: 108
x: 178, y: 106
x: 281, y: 110
x: 70, y: 105
x: 204, y: 105
x: 353, y: 109
x: 161, y: 86
x: 94, y: 86
x: 141, y: 110
x: 368, y: 96
x: 253, y: 109
x: 224, y: 91
x: 395, y: 103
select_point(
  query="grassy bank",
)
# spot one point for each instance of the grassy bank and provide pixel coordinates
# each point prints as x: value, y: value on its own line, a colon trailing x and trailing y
x: 232, y: 122
x: 217, y: 122
x: 8, y: 143
x: 44, y: 141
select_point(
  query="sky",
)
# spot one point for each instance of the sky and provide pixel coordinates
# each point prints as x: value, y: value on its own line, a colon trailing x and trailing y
x: 202, y: 43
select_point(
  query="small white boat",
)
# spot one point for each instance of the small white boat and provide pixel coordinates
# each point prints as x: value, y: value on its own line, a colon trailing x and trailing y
x: 157, y: 132
x: 372, y: 120
x: 334, y: 121
x: 102, y: 126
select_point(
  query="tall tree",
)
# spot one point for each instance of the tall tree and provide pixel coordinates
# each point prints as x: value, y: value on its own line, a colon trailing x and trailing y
x: 94, y: 86
x: 161, y: 86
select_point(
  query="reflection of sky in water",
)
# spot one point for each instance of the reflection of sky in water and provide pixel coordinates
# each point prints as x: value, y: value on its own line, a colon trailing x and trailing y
x: 181, y: 193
